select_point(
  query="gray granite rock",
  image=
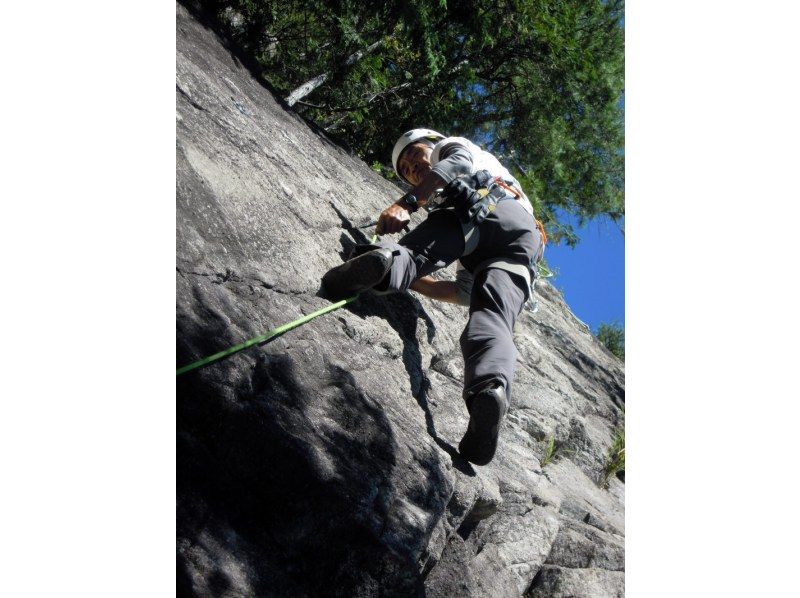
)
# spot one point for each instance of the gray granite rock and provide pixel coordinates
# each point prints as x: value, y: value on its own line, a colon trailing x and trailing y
x: 323, y: 463
x: 558, y: 582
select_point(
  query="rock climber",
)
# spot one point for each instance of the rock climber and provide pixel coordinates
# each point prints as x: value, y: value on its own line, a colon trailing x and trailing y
x: 479, y: 215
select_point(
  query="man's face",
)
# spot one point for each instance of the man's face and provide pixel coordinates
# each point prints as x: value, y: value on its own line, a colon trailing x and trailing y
x: 415, y: 163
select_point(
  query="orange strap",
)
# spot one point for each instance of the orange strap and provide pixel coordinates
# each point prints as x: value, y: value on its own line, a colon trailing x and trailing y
x: 540, y: 228
x: 508, y: 188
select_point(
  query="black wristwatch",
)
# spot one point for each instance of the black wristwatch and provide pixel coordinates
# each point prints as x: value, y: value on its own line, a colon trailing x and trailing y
x: 411, y: 200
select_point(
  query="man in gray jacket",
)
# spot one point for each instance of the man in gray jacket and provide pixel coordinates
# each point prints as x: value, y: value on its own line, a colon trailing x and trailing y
x: 478, y: 214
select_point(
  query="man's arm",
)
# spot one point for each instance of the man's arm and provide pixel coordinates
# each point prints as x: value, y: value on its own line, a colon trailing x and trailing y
x: 455, y: 160
x: 397, y: 215
x: 457, y: 291
x: 443, y: 290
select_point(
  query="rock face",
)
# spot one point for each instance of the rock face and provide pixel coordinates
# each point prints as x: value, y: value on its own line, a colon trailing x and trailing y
x: 324, y: 463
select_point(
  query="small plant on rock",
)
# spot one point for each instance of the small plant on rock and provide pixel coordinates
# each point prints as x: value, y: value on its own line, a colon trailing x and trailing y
x: 615, y: 462
x: 553, y: 450
x: 549, y: 451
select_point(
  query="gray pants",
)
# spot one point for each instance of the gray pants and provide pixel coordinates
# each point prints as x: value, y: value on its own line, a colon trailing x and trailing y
x: 509, y: 232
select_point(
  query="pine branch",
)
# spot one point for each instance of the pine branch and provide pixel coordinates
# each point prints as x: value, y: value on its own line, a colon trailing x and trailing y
x: 312, y: 84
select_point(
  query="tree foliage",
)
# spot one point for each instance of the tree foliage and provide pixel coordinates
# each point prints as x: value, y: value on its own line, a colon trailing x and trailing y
x: 613, y: 337
x: 537, y: 82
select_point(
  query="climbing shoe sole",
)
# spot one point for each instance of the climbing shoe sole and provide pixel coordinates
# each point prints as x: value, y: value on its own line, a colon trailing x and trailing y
x: 357, y: 274
x: 480, y: 441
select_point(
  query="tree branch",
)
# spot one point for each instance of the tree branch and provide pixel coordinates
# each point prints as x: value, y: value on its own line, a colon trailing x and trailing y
x: 312, y: 84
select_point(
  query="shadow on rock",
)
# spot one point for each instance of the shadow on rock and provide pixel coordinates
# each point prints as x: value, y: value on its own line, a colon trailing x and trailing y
x: 403, y: 312
x: 291, y: 476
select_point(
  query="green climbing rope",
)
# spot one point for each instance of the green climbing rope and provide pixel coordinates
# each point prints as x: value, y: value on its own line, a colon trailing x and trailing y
x: 268, y: 336
x: 272, y: 334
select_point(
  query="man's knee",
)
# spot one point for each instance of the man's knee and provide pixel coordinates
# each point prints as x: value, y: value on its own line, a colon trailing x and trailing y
x: 402, y: 272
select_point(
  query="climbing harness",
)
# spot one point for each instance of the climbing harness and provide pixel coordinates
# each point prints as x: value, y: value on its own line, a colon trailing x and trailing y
x: 472, y: 198
x: 267, y: 336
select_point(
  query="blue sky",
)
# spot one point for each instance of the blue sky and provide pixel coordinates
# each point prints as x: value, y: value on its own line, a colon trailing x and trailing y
x: 592, y: 276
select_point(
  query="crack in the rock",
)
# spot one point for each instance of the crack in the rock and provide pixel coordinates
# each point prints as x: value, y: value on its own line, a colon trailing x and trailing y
x: 231, y: 276
x: 291, y: 292
x: 438, y: 364
x: 348, y: 225
x: 189, y: 98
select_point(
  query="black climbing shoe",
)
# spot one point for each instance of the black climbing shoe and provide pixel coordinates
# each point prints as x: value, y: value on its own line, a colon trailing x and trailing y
x: 487, y: 406
x: 357, y: 274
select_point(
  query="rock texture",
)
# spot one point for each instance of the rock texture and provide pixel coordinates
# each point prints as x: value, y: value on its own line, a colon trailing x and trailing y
x: 323, y: 464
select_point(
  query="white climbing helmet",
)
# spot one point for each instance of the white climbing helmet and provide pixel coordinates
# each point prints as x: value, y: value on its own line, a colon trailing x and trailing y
x: 413, y: 136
